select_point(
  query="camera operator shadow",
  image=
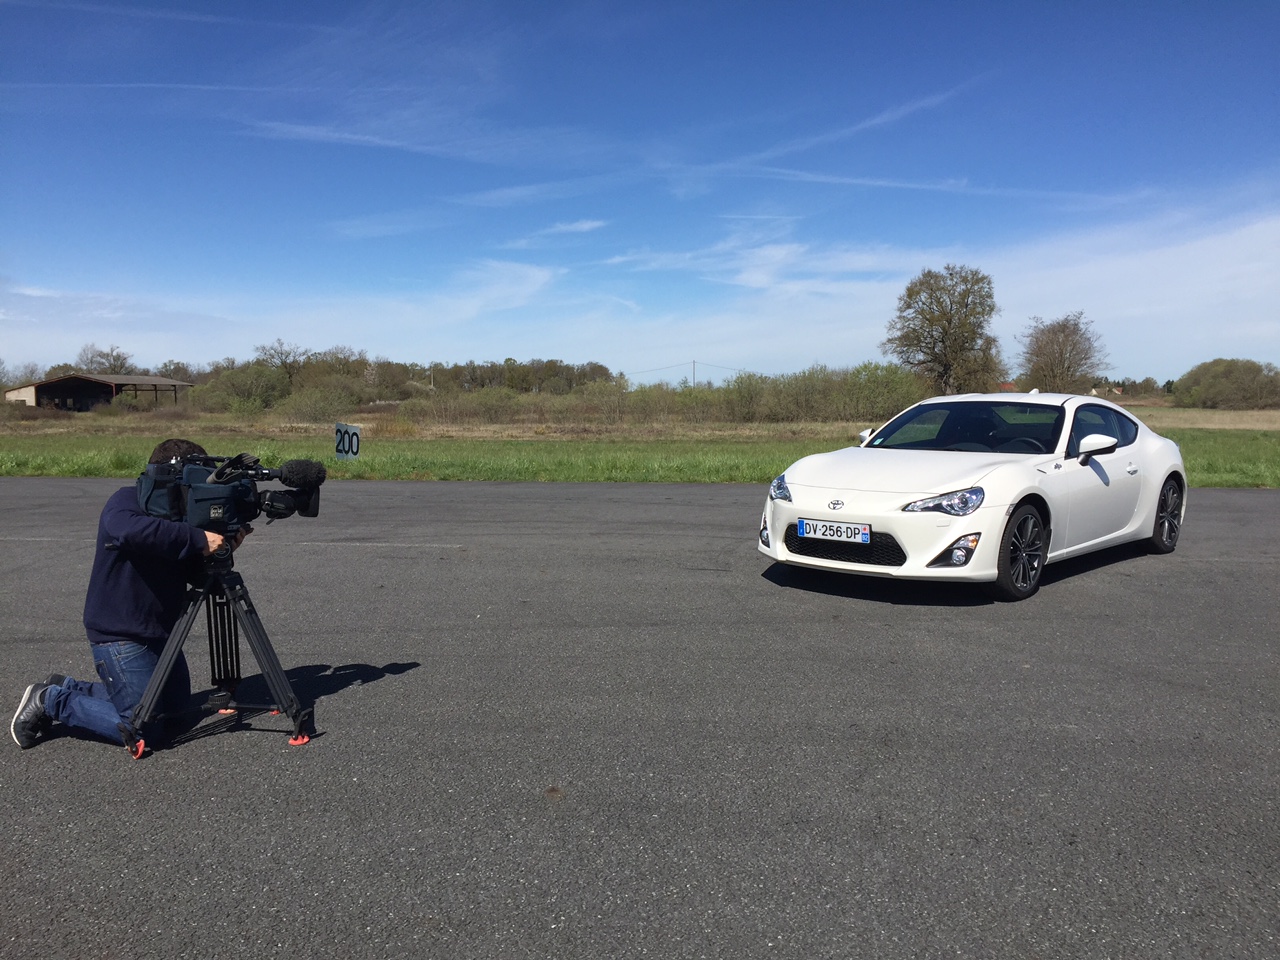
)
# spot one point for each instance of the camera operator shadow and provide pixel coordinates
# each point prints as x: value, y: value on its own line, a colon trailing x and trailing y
x: 221, y: 494
x: 312, y: 683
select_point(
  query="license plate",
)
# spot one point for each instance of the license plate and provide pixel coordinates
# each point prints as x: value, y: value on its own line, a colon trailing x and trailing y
x: 829, y: 530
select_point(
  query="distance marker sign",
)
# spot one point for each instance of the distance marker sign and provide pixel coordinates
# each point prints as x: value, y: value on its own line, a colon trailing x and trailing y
x: 346, y: 441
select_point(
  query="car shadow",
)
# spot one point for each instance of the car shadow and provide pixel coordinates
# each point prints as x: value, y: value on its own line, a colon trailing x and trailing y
x: 915, y: 593
x: 1066, y: 569
x: 919, y: 593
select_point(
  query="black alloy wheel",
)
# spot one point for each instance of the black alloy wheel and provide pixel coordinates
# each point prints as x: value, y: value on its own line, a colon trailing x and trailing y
x: 1168, y: 525
x: 1022, y: 553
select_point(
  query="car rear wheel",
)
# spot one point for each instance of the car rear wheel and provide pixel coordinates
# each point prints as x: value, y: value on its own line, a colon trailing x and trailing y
x: 1168, y: 525
x: 1022, y: 550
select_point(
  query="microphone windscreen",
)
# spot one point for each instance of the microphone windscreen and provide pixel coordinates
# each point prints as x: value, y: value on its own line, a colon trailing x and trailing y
x: 302, y: 473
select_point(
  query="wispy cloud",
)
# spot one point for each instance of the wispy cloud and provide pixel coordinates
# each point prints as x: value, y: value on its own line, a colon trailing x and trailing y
x: 1093, y: 200
x: 577, y: 226
x: 156, y: 13
x: 884, y: 118
x: 539, y: 237
x: 543, y: 192
x: 394, y: 224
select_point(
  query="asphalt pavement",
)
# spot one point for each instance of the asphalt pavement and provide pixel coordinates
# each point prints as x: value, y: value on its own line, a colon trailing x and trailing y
x: 591, y: 721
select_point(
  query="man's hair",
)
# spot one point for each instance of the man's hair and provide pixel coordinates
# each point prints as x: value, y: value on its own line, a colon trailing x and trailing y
x: 175, y: 450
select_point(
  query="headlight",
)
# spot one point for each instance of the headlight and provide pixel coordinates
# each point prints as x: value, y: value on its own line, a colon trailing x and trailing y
x: 778, y: 490
x: 958, y: 504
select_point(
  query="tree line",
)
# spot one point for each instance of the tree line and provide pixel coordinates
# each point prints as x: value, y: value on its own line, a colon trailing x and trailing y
x: 938, y: 342
x: 942, y: 331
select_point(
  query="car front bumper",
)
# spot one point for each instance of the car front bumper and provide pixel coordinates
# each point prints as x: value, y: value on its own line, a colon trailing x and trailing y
x: 912, y: 546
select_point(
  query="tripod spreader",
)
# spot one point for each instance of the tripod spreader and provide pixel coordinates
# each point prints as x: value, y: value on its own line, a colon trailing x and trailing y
x: 229, y: 613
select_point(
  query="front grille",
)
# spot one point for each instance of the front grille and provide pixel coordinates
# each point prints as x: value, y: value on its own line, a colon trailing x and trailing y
x: 882, y: 551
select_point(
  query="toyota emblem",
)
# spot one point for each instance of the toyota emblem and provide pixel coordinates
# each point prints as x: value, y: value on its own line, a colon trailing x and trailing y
x: 835, y: 504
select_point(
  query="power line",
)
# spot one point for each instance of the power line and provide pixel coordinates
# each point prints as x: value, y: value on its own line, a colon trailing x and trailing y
x: 687, y: 363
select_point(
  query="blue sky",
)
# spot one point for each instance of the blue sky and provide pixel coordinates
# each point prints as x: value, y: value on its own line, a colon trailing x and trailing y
x: 748, y: 185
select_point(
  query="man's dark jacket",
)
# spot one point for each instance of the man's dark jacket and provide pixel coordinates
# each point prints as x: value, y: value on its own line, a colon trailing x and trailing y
x: 141, y: 567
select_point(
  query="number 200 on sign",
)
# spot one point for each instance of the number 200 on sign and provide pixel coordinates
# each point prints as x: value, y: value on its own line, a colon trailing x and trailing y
x: 346, y: 441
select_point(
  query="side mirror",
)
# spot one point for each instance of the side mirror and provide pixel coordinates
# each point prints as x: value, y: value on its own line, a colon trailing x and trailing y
x: 864, y: 436
x: 1094, y: 444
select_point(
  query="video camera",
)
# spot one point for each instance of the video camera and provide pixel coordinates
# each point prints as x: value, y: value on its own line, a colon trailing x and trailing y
x: 221, y: 494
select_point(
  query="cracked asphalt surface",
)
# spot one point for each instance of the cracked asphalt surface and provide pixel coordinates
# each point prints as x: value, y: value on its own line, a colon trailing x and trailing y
x: 591, y: 721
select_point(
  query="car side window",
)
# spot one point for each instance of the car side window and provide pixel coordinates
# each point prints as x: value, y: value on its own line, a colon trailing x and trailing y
x: 1097, y: 419
x: 1126, y: 430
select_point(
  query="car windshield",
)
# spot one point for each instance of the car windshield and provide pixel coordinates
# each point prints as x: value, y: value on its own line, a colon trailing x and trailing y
x: 979, y: 426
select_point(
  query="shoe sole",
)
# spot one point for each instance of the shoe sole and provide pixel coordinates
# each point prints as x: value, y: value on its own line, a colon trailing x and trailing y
x: 14, y: 722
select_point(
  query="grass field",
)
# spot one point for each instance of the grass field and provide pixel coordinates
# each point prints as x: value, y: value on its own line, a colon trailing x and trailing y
x: 1221, y: 449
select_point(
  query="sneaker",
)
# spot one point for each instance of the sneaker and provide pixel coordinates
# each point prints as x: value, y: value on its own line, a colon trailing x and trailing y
x: 29, y: 721
x: 55, y: 680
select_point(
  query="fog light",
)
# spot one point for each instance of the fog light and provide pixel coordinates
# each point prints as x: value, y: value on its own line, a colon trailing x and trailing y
x: 764, y: 535
x: 959, y: 553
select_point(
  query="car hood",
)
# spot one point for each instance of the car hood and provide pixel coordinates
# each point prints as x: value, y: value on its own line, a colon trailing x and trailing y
x: 876, y: 469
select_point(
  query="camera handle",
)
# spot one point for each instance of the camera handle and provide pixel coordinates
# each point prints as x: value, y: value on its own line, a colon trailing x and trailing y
x: 229, y: 612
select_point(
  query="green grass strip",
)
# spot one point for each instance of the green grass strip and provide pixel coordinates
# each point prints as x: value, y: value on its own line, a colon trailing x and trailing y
x: 1214, y: 457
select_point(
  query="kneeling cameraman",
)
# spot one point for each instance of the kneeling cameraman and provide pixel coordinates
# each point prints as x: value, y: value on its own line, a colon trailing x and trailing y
x: 142, y: 565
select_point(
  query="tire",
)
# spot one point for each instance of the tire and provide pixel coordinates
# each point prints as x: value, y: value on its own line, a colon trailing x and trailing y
x: 1022, y: 555
x: 1168, y: 523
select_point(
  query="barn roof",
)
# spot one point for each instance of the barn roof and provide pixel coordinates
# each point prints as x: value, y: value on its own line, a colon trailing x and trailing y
x: 116, y: 379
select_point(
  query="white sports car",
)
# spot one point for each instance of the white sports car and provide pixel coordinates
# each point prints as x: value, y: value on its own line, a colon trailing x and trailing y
x: 982, y: 488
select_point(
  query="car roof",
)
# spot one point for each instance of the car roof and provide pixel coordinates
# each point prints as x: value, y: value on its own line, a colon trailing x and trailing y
x: 1049, y: 399
x: 1067, y: 400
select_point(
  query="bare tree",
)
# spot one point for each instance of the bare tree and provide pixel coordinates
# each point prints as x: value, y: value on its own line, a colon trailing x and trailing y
x: 286, y: 357
x: 1063, y: 355
x: 942, y: 330
x: 340, y: 360
x: 179, y: 370
x: 29, y: 372
x: 113, y: 360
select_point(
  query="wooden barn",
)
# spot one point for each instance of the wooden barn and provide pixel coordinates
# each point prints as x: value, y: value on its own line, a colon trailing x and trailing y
x: 84, y: 391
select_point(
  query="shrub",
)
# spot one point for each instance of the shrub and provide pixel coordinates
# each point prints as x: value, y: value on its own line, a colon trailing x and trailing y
x: 127, y: 403
x: 21, y: 411
x: 172, y: 412
x: 492, y: 405
x: 746, y: 396
x: 254, y: 386
x: 655, y: 403
x: 1229, y: 385
x: 318, y: 404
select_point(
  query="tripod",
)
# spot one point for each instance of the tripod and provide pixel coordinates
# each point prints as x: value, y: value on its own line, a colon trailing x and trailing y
x: 228, y: 612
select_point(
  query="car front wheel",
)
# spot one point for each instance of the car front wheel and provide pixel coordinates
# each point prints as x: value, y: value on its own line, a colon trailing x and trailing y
x: 1022, y: 552
x: 1168, y: 525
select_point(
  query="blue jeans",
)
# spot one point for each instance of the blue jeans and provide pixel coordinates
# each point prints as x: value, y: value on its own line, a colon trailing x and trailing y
x: 103, y: 707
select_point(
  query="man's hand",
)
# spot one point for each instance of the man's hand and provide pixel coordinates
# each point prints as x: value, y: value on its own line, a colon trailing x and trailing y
x: 214, y: 542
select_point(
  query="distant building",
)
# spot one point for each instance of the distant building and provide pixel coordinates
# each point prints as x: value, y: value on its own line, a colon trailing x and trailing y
x: 84, y: 391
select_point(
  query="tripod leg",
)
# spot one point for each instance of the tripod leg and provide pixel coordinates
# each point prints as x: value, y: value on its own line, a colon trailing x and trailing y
x: 277, y: 682
x: 224, y: 649
x: 144, y: 712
